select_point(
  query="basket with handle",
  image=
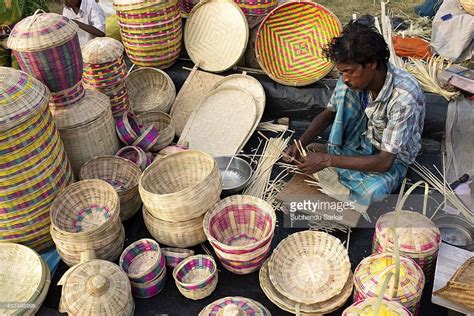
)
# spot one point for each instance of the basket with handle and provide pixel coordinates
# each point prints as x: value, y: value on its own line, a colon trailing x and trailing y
x: 135, y: 155
x: 196, y: 277
x: 162, y: 122
x: 122, y: 174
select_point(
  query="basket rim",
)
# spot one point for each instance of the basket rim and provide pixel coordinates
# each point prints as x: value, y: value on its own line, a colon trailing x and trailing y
x: 180, y: 265
x: 132, y: 246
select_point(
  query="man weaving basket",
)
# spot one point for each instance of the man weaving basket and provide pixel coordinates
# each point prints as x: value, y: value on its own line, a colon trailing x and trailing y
x: 377, y: 113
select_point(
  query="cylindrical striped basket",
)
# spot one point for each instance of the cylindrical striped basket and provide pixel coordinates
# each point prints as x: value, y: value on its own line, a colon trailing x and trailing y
x: 46, y: 46
x: 256, y: 7
x: 33, y: 164
x: 151, y: 31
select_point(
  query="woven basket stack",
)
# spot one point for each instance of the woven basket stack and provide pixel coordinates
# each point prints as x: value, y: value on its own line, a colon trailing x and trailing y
x: 24, y: 280
x: 46, y: 46
x: 104, y: 71
x: 145, y: 266
x: 34, y: 166
x: 196, y: 277
x: 85, y: 216
x: 176, y: 192
x: 308, y: 272
x: 240, y: 229
x: 151, y: 31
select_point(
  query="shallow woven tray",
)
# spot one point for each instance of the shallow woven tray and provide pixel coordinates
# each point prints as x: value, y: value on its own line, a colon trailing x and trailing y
x: 290, y: 41
x: 216, y: 34
x: 309, y: 267
x: 196, y: 87
x: 213, y: 127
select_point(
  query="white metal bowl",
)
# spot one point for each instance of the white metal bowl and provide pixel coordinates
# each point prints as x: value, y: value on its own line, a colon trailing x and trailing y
x: 237, y: 175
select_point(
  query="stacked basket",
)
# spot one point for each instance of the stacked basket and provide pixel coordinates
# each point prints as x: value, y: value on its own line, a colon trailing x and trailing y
x: 86, y: 216
x: 145, y: 266
x: 104, y: 71
x: 308, y: 272
x: 34, y: 166
x: 176, y: 192
x: 240, y: 229
x: 151, y: 31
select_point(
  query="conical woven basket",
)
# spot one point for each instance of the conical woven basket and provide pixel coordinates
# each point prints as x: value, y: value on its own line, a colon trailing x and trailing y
x: 162, y: 122
x: 468, y: 6
x: 181, y: 186
x: 102, y: 50
x: 176, y: 234
x: 46, y: 46
x: 243, y: 304
x: 150, y: 89
x: 366, y: 307
x: 122, y: 174
x: 196, y: 277
x: 309, y: 267
x: 174, y: 256
x: 240, y: 229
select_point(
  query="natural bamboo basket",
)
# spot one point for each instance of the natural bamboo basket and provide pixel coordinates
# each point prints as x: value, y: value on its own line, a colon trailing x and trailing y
x: 291, y: 306
x: 176, y: 234
x: 122, y: 174
x: 309, y: 267
x: 365, y: 307
x: 150, y: 89
x: 162, y: 122
x: 174, y: 256
x: 468, y: 6
x: 243, y: 306
x: 180, y: 186
x: 196, y: 277
x: 240, y: 229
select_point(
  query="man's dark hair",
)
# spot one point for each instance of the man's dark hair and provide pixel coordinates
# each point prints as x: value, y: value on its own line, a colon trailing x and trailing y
x: 359, y: 44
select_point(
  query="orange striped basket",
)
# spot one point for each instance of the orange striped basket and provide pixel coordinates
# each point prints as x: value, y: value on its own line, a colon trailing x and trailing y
x: 290, y: 42
x: 256, y: 7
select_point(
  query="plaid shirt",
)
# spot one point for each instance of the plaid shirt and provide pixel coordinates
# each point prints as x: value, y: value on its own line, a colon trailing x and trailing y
x: 395, y: 117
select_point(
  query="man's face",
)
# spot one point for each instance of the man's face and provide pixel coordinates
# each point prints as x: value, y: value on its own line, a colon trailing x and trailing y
x: 356, y: 76
x: 71, y: 3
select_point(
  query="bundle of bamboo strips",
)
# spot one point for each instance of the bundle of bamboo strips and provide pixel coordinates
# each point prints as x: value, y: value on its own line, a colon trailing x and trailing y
x: 272, y: 127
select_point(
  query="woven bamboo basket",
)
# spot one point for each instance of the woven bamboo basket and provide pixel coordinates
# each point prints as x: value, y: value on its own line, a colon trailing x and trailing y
x: 150, y: 89
x: 24, y: 277
x: 97, y: 287
x: 240, y: 229
x: 366, y: 307
x: 122, y: 174
x: 219, y: 45
x: 238, y: 305
x: 259, y: 8
x: 174, y: 256
x: 135, y: 155
x: 291, y: 306
x: 162, y: 122
x: 186, y: 6
x: 150, y: 288
x: 309, y: 267
x: 468, y: 6
x: 196, y: 277
x: 34, y: 166
x: 176, y: 234
x: 127, y: 127
x: 181, y: 186
x: 289, y: 49
x: 46, y: 46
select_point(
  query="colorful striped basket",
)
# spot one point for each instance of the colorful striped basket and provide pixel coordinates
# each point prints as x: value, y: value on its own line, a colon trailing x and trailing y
x: 33, y: 164
x: 290, y: 42
x: 174, y: 256
x: 186, y: 6
x: 145, y: 266
x: 366, y: 307
x: 238, y: 305
x: 240, y: 229
x: 196, y: 277
x: 46, y: 46
x: 256, y: 7
x: 151, y: 31
x: 162, y: 122
x: 135, y: 155
x: 419, y: 238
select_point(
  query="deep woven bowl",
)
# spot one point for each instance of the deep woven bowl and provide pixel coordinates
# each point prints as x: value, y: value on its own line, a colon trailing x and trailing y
x: 142, y: 261
x: 196, y: 276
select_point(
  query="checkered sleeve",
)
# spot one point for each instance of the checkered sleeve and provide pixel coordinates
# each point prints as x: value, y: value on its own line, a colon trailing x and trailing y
x: 337, y: 94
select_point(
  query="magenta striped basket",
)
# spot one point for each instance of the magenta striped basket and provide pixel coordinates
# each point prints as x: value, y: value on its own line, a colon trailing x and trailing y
x: 135, y: 155
x: 174, y: 256
x: 147, y: 139
x: 67, y: 97
x: 150, y: 288
x: 127, y: 127
x: 196, y: 276
x: 256, y: 7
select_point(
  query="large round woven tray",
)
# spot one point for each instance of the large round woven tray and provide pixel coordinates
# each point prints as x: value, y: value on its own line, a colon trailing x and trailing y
x: 291, y: 39
x: 216, y: 34
x: 214, y: 128
x: 309, y: 267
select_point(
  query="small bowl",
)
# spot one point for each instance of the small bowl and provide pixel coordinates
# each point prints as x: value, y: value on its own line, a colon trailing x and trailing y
x: 237, y: 175
x: 196, y: 276
x: 456, y: 231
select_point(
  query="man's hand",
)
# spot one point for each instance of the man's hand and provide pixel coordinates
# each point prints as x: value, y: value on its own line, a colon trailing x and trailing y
x: 291, y: 151
x: 314, y: 162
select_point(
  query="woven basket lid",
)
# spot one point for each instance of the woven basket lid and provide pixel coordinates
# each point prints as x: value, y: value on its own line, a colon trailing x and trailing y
x: 21, y: 97
x: 213, y: 126
x: 289, y: 305
x: 22, y: 274
x: 101, y: 50
x: 417, y: 233
x: 216, y: 35
x: 234, y: 305
x: 41, y: 31
x: 96, y: 287
x: 309, y: 267
x: 87, y: 109
x: 390, y: 308
x: 290, y: 42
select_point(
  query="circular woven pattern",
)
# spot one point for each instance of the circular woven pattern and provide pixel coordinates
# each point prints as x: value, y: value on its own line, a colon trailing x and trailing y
x: 162, y: 122
x: 290, y: 306
x: 150, y: 89
x: 367, y: 306
x: 101, y: 50
x: 245, y: 306
x: 96, y: 287
x: 468, y: 6
x: 309, y: 267
x: 196, y: 276
x: 290, y: 42
x: 216, y: 34
x: 142, y: 260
